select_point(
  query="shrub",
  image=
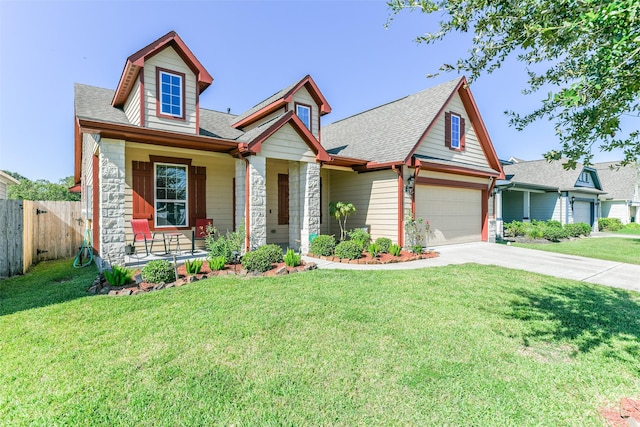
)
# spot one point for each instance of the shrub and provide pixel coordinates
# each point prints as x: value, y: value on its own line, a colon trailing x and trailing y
x: 416, y: 249
x: 578, y: 229
x: 415, y: 230
x: 609, y: 224
x: 274, y: 253
x: 632, y: 226
x: 193, y: 267
x: 384, y: 243
x: 341, y: 211
x: 349, y: 249
x: 514, y: 228
x: 554, y: 233
x: 323, y: 245
x: 291, y: 259
x: 534, y: 232
x: 360, y: 236
x: 395, y: 250
x: 158, y: 271
x: 216, y: 263
x: 553, y: 223
x: 224, y: 245
x: 118, y: 276
x: 257, y: 260
x: 373, y: 249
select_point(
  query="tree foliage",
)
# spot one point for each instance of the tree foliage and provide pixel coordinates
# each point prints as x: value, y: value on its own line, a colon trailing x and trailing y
x: 341, y: 211
x: 41, y: 189
x: 588, y: 51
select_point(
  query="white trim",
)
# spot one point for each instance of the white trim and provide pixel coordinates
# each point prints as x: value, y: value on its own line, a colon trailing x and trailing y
x: 157, y: 200
x: 455, y: 142
x: 180, y: 89
x: 298, y: 107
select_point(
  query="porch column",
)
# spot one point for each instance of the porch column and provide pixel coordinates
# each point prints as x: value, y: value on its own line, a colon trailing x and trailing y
x: 498, y: 213
x: 257, y: 201
x: 295, y: 202
x: 112, y: 184
x: 240, y: 191
x: 310, y: 188
x: 526, y: 209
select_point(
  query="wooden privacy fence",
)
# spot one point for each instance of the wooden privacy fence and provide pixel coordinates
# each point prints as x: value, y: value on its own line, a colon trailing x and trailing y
x: 31, y: 232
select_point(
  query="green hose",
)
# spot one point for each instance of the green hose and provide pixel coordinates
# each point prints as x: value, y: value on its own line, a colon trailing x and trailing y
x: 85, y: 254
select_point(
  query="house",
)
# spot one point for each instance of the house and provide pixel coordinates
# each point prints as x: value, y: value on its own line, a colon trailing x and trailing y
x: 148, y: 150
x: 5, y: 181
x: 622, y: 184
x: 542, y: 190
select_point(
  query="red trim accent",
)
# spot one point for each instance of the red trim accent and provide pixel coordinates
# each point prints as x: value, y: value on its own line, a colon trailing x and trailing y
x: 375, y: 166
x: 459, y: 170
x: 291, y: 118
x: 159, y: 113
x: 142, y: 99
x: 174, y: 160
x: 135, y: 63
x: 450, y: 183
x: 77, y: 188
x: 485, y: 215
x: 95, y: 217
x: 197, y: 113
x: 476, y: 121
x: 306, y: 81
x: 295, y: 106
x: 157, y: 136
x: 347, y: 162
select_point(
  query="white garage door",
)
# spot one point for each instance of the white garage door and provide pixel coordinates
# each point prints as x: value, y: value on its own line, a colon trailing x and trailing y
x: 582, y: 212
x: 455, y: 214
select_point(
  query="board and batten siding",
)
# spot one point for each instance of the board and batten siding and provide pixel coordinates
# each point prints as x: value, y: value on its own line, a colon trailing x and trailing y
x: 302, y: 96
x: 433, y: 144
x: 544, y: 206
x: 220, y: 174
x: 375, y: 197
x: 169, y: 60
x: 275, y: 233
x: 132, y: 106
x: 286, y: 144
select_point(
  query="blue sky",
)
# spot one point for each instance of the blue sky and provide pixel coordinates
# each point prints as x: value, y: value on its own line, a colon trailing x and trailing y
x: 251, y: 48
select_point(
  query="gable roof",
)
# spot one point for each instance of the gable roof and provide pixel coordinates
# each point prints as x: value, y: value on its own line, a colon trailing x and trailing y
x: 618, y: 181
x: 280, y: 99
x: 135, y: 63
x: 392, y: 132
x: 550, y: 176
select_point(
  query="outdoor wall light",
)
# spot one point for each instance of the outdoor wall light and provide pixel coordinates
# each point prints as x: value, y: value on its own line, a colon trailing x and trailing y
x: 573, y: 199
x: 410, y: 184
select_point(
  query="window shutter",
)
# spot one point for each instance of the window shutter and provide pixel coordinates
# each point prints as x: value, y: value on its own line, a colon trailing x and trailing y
x: 462, y: 139
x: 197, y: 193
x: 142, y: 190
x: 447, y: 129
x: 283, y: 199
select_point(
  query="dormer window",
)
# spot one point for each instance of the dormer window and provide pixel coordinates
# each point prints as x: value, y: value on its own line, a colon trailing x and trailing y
x: 170, y: 94
x: 304, y: 113
x: 454, y: 131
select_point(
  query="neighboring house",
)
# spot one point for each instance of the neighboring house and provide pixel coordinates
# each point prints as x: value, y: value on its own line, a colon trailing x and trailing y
x: 622, y: 184
x: 148, y: 150
x: 542, y: 190
x: 5, y: 181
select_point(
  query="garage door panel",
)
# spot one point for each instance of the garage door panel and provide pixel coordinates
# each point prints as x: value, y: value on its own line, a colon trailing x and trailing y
x: 454, y: 214
x: 582, y: 212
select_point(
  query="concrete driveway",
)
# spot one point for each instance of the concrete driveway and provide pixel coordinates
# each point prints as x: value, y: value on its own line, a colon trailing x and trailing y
x: 608, y: 273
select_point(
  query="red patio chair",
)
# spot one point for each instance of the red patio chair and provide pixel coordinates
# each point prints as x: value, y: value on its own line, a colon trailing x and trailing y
x: 142, y: 233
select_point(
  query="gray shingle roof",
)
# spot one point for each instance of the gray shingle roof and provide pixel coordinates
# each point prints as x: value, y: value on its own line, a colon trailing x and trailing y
x: 619, y: 183
x: 389, y: 132
x: 95, y: 103
x: 265, y: 102
x: 546, y: 174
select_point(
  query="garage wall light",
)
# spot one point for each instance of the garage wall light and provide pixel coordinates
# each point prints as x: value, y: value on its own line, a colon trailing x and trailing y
x: 411, y: 181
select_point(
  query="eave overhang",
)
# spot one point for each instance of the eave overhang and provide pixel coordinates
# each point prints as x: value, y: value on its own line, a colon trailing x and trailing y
x: 455, y: 169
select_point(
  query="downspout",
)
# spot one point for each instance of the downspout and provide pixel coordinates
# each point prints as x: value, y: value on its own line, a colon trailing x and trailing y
x: 398, y: 170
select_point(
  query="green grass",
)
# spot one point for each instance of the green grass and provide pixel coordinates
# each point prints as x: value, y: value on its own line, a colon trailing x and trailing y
x: 608, y: 248
x: 458, y: 345
x: 629, y: 229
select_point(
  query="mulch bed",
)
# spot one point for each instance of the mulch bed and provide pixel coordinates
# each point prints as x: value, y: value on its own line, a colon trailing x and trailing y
x: 380, y: 259
x: 627, y: 414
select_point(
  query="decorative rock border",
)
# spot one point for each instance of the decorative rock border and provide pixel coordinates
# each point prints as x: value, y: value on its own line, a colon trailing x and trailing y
x: 101, y: 287
x: 405, y: 258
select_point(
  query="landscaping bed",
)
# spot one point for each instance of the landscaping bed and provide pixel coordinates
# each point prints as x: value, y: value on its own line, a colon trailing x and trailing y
x: 100, y: 285
x: 385, y: 258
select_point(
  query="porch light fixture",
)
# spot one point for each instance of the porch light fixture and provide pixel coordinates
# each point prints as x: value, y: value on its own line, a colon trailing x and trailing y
x: 573, y: 199
x: 410, y: 184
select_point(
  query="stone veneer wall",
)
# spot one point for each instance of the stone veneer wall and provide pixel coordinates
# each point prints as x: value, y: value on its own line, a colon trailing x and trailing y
x: 112, y: 185
x: 294, y: 205
x: 310, y: 186
x: 258, y: 201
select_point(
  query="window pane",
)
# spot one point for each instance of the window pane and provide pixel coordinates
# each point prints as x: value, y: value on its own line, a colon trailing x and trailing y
x: 175, y: 80
x: 166, y: 78
x: 304, y: 114
x: 171, y: 214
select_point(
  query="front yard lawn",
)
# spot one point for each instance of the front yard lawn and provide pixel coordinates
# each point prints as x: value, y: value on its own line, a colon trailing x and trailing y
x: 457, y: 345
x: 609, y: 248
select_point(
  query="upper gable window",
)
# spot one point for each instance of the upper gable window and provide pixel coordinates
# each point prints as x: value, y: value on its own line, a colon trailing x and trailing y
x: 170, y: 94
x: 454, y: 131
x: 304, y: 113
x: 584, y: 177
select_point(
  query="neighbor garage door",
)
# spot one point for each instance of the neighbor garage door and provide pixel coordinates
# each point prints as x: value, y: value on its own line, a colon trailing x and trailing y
x: 582, y: 212
x: 455, y: 214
